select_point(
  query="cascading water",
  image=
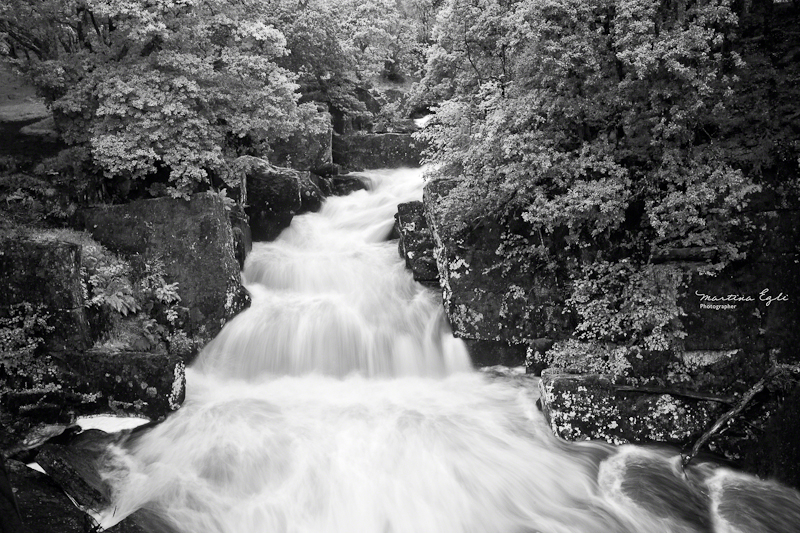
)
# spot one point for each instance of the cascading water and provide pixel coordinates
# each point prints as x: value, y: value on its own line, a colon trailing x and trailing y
x: 340, y: 402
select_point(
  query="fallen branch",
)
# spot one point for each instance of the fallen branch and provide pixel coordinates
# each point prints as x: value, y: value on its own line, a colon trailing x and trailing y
x: 748, y: 396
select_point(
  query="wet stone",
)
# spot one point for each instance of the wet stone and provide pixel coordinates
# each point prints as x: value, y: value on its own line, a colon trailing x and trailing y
x: 484, y: 303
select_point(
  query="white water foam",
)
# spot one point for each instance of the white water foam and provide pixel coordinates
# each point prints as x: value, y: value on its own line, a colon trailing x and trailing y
x: 340, y: 403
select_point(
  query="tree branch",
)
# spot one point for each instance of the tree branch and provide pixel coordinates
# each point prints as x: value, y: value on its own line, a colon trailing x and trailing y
x: 772, y: 373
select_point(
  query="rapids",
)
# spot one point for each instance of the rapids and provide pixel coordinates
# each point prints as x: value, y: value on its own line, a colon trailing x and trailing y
x: 339, y: 402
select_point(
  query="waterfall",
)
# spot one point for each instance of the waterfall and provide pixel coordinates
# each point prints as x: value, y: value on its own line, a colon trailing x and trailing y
x: 341, y: 403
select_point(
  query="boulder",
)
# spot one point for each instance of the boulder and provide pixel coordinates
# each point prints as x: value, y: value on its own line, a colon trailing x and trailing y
x: 41, y: 280
x: 747, y: 505
x: 416, y: 243
x: 592, y: 406
x: 359, y: 151
x: 47, y: 502
x: 505, y: 309
x: 274, y: 196
x: 193, y: 239
x: 43, y: 505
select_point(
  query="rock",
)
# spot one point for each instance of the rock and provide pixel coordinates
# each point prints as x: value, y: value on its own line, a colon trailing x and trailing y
x: 483, y: 302
x: 57, y: 390
x: 416, y: 243
x: 311, y: 195
x: 303, y: 152
x: 43, y: 505
x: 591, y: 406
x: 242, y: 236
x: 43, y: 279
x: 775, y: 454
x: 76, y: 467
x: 10, y: 518
x: 645, y: 480
x: 44, y: 129
x: 732, y: 310
x: 193, y: 239
x: 73, y: 470
x: 381, y: 150
x: 273, y: 196
x: 25, y: 112
x: 491, y: 352
x: 346, y: 184
x: 326, y: 170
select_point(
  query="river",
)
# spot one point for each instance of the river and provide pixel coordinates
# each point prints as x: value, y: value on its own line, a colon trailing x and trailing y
x: 339, y: 402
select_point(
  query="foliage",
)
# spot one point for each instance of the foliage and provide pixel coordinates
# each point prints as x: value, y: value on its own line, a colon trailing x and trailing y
x: 24, y: 329
x: 130, y: 302
x: 621, y: 304
x: 22, y: 333
x: 601, y: 132
x: 171, y: 86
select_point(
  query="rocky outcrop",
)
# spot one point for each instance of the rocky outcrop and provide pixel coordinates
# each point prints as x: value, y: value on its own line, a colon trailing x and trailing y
x: 43, y: 388
x: 415, y: 243
x: 193, y: 239
x: 346, y: 184
x: 499, y: 313
x: 42, y: 283
x: 43, y: 505
x: 359, y: 151
x: 738, y: 325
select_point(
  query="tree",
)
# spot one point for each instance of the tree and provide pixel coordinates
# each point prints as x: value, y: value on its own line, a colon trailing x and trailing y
x: 178, y: 86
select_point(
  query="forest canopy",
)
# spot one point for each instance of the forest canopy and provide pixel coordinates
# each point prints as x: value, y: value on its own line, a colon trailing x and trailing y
x: 181, y: 87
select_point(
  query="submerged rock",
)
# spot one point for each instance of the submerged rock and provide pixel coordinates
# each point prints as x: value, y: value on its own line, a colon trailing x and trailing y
x: 416, y: 242
x: 747, y: 505
x: 346, y: 184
